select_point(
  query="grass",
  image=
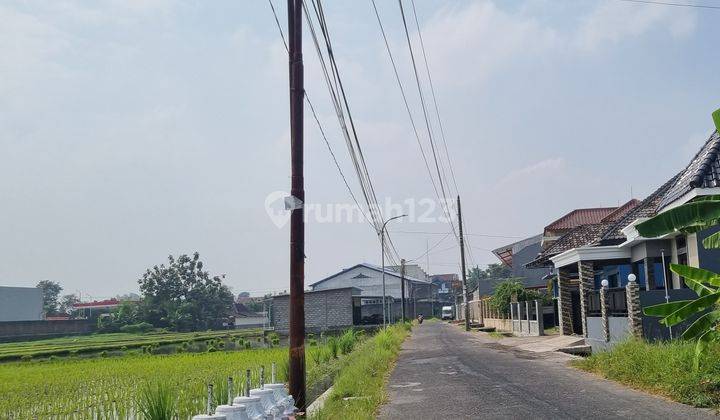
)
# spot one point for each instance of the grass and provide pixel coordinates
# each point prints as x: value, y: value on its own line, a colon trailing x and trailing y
x: 172, y: 385
x: 359, y: 388
x: 495, y: 334
x: 661, y: 368
x: 97, y: 343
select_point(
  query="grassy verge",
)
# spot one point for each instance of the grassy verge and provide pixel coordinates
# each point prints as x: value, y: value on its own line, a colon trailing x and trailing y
x: 359, y: 389
x: 661, y: 368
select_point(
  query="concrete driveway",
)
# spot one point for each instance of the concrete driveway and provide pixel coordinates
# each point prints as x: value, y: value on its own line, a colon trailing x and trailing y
x: 446, y: 373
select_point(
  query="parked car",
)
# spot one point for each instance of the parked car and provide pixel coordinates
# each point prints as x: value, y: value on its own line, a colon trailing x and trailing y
x: 447, y: 312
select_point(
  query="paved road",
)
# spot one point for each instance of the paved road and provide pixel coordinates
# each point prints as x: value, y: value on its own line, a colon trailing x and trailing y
x: 444, y: 372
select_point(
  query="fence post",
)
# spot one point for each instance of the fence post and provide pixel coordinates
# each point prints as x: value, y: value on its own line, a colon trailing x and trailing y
x: 632, y: 292
x: 539, y: 316
x: 603, y: 310
x: 527, y: 315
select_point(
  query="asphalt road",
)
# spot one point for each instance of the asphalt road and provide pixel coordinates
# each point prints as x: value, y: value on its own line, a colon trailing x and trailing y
x: 446, y: 373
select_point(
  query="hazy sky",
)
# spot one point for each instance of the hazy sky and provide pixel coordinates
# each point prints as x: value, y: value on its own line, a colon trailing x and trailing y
x: 135, y: 129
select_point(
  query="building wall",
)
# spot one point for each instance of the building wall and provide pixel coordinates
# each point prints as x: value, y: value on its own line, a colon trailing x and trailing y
x: 324, y: 310
x: 530, y: 276
x: 370, y: 283
x: 31, y: 330
x: 20, y: 304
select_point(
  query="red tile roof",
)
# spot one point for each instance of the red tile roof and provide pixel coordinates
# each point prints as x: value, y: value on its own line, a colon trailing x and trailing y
x: 581, y: 217
x: 97, y: 303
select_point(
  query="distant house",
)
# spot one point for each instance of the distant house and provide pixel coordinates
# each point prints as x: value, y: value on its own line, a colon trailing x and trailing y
x: 515, y: 256
x: 245, y: 318
x: 447, y: 286
x: 95, y: 307
x: 21, y: 304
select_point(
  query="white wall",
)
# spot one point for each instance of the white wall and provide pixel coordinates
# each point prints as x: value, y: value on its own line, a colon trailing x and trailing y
x: 370, y: 286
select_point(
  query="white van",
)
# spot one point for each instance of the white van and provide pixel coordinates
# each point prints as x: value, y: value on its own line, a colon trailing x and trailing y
x: 447, y: 312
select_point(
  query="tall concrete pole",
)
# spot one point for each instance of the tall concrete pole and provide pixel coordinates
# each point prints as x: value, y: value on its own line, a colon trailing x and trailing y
x: 462, y: 267
x: 297, y: 223
x: 402, y: 287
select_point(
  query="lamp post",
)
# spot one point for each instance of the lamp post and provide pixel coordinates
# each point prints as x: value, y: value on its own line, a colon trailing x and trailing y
x: 382, y: 257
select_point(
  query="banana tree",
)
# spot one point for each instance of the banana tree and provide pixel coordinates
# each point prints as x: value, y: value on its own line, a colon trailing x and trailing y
x: 692, y: 217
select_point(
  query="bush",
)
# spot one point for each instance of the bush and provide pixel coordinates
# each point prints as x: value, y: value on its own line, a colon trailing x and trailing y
x: 504, y: 291
x: 26, y: 358
x: 347, y: 341
x: 140, y: 328
x: 332, y: 345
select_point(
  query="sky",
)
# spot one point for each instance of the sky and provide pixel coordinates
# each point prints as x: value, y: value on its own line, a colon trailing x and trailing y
x: 136, y: 129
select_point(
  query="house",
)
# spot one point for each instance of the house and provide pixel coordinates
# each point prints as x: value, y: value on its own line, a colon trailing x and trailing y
x: 515, y: 256
x: 612, y: 249
x: 447, y: 286
x: 95, y: 307
x: 242, y: 317
x: 21, y: 304
x: 325, y: 310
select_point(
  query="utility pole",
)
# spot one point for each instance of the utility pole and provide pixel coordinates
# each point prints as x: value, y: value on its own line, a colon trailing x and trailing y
x: 382, y: 258
x: 297, y: 223
x: 462, y: 267
x: 402, y: 287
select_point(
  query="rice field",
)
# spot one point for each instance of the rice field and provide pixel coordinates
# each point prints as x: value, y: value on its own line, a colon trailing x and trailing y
x: 110, y: 388
x: 108, y: 342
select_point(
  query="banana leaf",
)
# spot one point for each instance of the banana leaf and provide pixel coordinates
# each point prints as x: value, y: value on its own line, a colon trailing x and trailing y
x: 712, y: 241
x: 689, y: 218
x: 665, y: 309
x: 697, y: 305
x: 697, y: 274
x: 702, y: 325
x: 716, y: 119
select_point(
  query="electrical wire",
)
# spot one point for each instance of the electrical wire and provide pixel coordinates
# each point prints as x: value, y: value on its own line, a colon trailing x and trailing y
x: 662, y: 3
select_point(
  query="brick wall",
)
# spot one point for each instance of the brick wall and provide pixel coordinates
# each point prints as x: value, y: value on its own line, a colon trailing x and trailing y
x: 324, y: 310
x: 29, y: 330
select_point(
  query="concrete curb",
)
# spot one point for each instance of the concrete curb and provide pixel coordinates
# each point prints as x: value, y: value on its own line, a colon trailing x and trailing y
x: 319, y: 402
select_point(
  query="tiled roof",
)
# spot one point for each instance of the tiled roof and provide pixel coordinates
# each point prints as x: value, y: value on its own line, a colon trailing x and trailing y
x: 580, y: 236
x: 581, y: 217
x: 621, y: 211
x: 646, y: 208
x: 505, y: 253
x: 703, y: 171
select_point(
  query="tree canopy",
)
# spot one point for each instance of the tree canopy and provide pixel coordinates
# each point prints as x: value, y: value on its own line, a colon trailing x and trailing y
x: 51, y: 295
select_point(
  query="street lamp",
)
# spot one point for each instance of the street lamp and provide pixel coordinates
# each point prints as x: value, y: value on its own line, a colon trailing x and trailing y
x: 382, y: 257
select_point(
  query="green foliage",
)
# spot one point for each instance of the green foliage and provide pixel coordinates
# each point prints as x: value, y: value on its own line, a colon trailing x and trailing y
x: 689, y: 218
x: 359, y: 389
x: 492, y: 272
x: 51, y: 294
x: 665, y: 368
x: 183, y: 297
x: 347, y: 341
x: 332, y: 345
x: 139, y: 328
x: 156, y: 402
x: 105, y: 342
x: 504, y: 291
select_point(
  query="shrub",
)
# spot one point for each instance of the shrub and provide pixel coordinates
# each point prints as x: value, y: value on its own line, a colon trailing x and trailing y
x: 104, y: 353
x: 332, y: 345
x: 248, y: 345
x: 156, y: 402
x: 347, y: 341
x: 26, y: 357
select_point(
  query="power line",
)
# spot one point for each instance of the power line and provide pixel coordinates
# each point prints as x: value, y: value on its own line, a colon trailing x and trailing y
x: 317, y: 121
x: 434, y: 98
x: 338, y: 95
x: 431, y: 248
x: 424, y: 109
x: 663, y: 3
x: 487, y: 235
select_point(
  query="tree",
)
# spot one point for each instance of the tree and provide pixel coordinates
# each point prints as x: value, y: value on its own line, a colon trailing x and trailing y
x: 50, y: 292
x: 67, y: 302
x: 492, y: 272
x: 690, y: 218
x: 504, y: 291
x: 183, y: 297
